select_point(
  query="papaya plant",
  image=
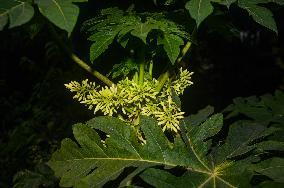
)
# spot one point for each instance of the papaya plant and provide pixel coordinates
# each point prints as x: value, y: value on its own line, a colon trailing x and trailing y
x: 143, y: 136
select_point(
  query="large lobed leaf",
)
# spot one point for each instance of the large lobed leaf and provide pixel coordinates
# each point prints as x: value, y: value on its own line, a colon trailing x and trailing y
x: 93, y: 163
x: 116, y: 24
x: 220, y: 167
x: 16, y: 12
x: 62, y: 13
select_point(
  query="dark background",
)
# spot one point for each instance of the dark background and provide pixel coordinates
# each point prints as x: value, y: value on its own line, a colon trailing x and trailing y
x: 232, y: 56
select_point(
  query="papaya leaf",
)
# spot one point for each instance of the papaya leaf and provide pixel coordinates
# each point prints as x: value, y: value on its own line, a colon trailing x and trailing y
x: 261, y: 15
x: 196, y: 134
x: 17, y: 12
x: 92, y: 164
x: 269, y: 184
x: 199, y: 9
x: 227, y: 2
x: 265, y: 110
x: 201, y: 116
x: 142, y: 30
x: 217, y: 168
x: 41, y: 176
x: 62, y: 13
x: 171, y: 44
x: 163, y: 179
x: 272, y: 168
x: 124, y: 68
x: 119, y: 25
x: 241, y: 140
x: 102, y: 40
x: 271, y: 145
x: 279, y: 2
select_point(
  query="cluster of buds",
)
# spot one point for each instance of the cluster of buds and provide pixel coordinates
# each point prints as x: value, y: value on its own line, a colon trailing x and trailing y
x: 128, y: 99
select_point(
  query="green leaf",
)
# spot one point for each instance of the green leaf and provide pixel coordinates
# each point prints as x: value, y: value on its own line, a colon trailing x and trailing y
x: 161, y: 178
x: 62, y: 13
x: 240, y: 140
x: 271, y: 146
x: 199, y: 9
x: 280, y: 2
x: 92, y: 164
x: 196, y: 119
x: 225, y: 178
x: 231, y: 176
x: 196, y: 135
x: 272, y: 168
x: 42, y: 176
x: 102, y: 40
x: 269, y: 184
x: 263, y: 110
x: 217, y: 169
x: 125, y: 25
x: 17, y: 12
x: 171, y: 44
x: 124, y: 68
x: 142, y: 30
x: 227, y: 2
x: 261, y: 15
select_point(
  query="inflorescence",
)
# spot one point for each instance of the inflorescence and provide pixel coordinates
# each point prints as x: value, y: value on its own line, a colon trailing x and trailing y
x: 128, y: 99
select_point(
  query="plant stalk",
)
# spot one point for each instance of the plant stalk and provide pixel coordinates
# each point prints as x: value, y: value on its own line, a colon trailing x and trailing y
x: 77, y: 60
x: 165, y: 76
x: 184, y: 51
x: 150, y: 71
x: 141, y: 73
x: 162, y: 80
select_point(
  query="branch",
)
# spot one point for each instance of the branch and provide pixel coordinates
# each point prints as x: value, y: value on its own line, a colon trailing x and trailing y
x: 77, y: 60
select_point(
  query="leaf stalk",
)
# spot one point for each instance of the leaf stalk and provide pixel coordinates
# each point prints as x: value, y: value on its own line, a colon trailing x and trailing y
x: 77, y: 60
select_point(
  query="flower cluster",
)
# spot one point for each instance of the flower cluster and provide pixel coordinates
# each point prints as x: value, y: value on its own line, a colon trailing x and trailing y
x: 128, y: 99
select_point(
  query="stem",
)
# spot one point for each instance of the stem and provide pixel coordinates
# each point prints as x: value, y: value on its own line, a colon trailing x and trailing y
x: 95, y: 73
x: 162, y: 80
x: 184, y: 51
x: 151, y: 69
x: 135, y: 77
x: 77, y: 60
x: 187, y: 45
x: 141, y: 60
x: 141, y: 73
x: 165, y: 76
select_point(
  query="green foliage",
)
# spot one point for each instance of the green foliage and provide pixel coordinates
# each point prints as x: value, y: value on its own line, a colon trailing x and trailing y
x: 201, y: 9
x: 96, y: 161
x: 42, y: 176
x: 265, y: 110
x: 122, y: 26
x: 272, y: 168
x: 227, y: 2
x: 124, y: 68
x: 111, y: 151
x: 63, y: 14
x: 15, y: 12
x: 93, y: 164
x: 261, y: 15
